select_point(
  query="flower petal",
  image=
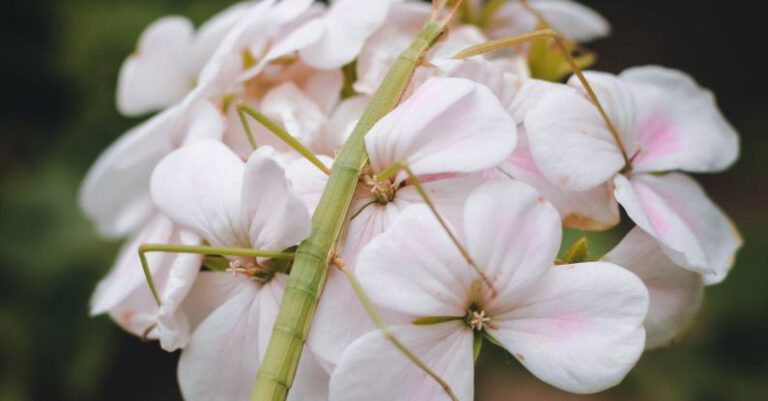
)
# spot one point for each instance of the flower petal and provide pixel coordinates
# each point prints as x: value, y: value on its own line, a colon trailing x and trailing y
x: 675, y: 293
x: 445, y: 348
x: 690, y: 228
x: 199, y: 187
x: 574, y: 20
x: 276, y: 217
x: 222, y: 357
x: 448, y: 125
x: 580, y: 328
x: 413, y: 268
x: 591, y: 210
x: 115, y: 192
x: 347, y: 24
x: 570, y: 142
x: 512, y: 233
x: 680, y: 126
x: 159, y: 74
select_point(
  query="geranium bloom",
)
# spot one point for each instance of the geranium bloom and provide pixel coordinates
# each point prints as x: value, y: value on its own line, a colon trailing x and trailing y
x: 448, y: 126
x: 664, y: 122
x: 238, y: 205
x: 577, y: 327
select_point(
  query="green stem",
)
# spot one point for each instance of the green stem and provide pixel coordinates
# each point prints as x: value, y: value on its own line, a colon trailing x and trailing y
x: 200, y: 250
x: 370, y: 309
x: 310, y: 267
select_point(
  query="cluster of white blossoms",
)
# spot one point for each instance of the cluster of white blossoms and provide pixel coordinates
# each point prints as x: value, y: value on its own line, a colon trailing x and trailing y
x: 454, y: 228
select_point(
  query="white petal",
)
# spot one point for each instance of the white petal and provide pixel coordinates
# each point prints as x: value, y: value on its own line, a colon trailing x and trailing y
x: 675, y: 293
x: 158, y: 75
x: 213, y: 31
x: 570, y: 143
x: 199, y: 187
x: 307, y: 181
x: 415, y: 269
x: 690, y: 228
x: 448, y: 125
x: 299, y: 115
x: 115, y: 192
x: 340, y: 126
x: 126, y: 275
x: 347, y: 24
x: 513, y: 235
x: 680, y: 126
x: 572, y: 19
x: 373, y: 369
x: 204, y: 121
x: 277, y: 218
x: 339, y: 320
x: 222, y: 357
x: 592, y: 210
x: 580, y: 328
x: 618, y: 101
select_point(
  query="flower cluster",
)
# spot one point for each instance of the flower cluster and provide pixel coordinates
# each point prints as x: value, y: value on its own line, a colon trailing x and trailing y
x: 455, y: 226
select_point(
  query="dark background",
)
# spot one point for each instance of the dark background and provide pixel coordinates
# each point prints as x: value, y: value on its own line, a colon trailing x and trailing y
x: 58, y: 68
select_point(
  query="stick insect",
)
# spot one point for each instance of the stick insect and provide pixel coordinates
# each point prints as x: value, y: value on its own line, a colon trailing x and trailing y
x: 317, y: 252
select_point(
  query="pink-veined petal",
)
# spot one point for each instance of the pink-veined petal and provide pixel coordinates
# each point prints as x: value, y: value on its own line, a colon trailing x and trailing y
x: 675, y: 293
x: 579, y: 329
x: 570, y: 142
x: 445, y: 348
x: 158, y: 74
x: 448, y: 125
x: 679, y: 124
x: 512, y: 233
x: 222, y: 357
x: 591, y: 210
x: 413, y: 268
x: 690, y: 228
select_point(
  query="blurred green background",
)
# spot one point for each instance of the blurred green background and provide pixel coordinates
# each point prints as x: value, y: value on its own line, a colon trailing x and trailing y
x: 57, y: 77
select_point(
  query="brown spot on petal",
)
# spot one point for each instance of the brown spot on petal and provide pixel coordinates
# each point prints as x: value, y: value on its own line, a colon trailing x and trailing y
x: 519, y: 357
x: 126, y: 316
x: 581, y: 222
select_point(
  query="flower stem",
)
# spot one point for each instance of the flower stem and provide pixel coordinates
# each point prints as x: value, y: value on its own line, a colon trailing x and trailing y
x: 310, y: 266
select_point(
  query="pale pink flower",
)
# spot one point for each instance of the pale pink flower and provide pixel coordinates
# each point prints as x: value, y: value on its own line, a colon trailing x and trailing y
x: 448, y: 127
x: 207, y: 189
x: 577, y: 327
x: 666, y: 122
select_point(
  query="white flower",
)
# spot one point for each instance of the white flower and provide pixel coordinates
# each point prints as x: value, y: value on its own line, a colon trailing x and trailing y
x: 665, y: 123
x: 207, y: 189
x: 577, y: 327
x: 449, y: 126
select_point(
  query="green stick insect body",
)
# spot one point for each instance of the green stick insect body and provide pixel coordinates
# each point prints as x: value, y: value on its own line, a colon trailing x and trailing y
x: 310, y: 267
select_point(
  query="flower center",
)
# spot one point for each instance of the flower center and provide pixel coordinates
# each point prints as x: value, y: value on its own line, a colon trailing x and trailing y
x: 382, y: 191
x: 476, y: 318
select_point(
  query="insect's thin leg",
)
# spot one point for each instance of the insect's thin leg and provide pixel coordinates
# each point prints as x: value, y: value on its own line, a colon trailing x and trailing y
x: 200, y: 250
x: 560, y: 42
x: 244, y: 109
x: 374, y: 315
x: 391, y: 171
